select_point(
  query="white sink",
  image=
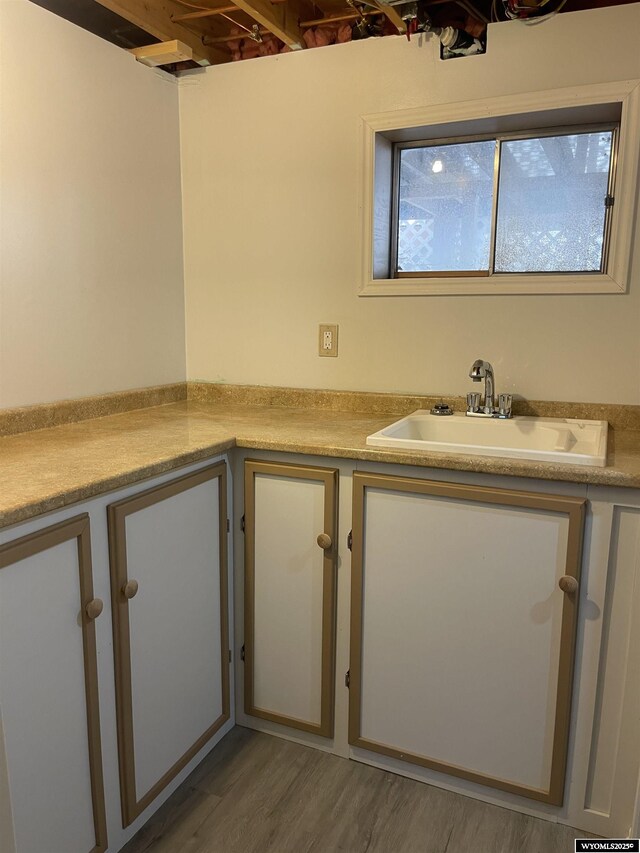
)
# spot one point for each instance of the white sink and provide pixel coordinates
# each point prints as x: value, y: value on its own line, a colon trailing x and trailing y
x: 573, y: 442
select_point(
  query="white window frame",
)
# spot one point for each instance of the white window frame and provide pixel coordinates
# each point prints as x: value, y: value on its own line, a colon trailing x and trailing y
x: 377, y: 175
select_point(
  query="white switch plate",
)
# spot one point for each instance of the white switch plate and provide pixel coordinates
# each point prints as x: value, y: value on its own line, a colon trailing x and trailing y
x: 328, y: 340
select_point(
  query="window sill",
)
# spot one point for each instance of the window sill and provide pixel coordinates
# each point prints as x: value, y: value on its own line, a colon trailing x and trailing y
x: 492, y: 285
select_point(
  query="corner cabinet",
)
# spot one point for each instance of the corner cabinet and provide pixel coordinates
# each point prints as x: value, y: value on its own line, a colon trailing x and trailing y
x: 290, y: 594
x: 51, y: 780
x: 168, y: 560
x: 463, y: 625
x: 114, y: 659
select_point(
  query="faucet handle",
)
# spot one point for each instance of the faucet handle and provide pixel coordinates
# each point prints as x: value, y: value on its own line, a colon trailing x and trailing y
x: 505, y: 401
x: 473, y: 401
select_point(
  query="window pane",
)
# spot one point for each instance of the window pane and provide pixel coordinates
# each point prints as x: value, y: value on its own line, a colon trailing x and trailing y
x: 445, y: 197
x: 551, y: 209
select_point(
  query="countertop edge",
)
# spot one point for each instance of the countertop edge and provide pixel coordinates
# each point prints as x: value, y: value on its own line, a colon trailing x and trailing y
x: 489, y: 465
x: 66, y: 498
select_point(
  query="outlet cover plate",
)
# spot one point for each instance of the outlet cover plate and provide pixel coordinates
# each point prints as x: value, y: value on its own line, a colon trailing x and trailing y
x: 328, y: 340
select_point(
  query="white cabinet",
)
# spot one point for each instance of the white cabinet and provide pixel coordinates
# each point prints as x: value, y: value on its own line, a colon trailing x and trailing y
x: 76, y: 765
x: 169, y: 601
x: 290, y: 591
x: 606, y: 764
x: 462, y: 638
x: 462, y: 642
x: 51, y: 781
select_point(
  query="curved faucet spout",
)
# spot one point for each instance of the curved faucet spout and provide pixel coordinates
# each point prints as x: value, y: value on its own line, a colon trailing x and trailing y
x: 481, y: 369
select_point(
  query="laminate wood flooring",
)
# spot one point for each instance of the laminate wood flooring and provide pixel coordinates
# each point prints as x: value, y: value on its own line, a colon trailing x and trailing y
x: 259, y: 794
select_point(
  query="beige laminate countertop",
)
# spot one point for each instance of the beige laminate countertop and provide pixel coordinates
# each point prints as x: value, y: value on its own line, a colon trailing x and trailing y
x: 51, y: 468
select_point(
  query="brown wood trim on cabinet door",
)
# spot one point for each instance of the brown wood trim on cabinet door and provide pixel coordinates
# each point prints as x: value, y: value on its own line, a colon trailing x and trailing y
x: 329, y: 477
x: 132, y: 805
x: 77, y: 528
x: 574, y: 510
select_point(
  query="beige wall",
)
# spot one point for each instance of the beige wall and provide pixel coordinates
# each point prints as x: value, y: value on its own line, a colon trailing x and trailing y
x: 91, y: 286
x: 271, y: 156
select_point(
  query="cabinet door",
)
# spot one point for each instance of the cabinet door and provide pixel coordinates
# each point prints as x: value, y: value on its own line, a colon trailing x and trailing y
x: 462, y: 638
x: 290, y: 579
x: 49, y: 693
x: 171, y: 639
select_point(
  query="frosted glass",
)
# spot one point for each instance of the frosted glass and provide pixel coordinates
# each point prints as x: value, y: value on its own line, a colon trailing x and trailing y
x: 445, y: 199
x: 551, y: 211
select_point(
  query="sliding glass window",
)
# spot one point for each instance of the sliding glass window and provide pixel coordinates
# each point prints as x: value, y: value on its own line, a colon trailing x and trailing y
x: 538, y: 202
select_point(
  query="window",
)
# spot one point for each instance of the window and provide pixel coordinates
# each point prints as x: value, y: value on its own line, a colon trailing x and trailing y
x: 528, y: 193
x: 444, y: 198
x: 527, y: 203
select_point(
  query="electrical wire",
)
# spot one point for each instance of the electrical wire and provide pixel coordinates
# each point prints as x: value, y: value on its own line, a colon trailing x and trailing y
x: 529, y: 21
x: 196, y: 6
x: 538, y: 20
x: 252, y: 34
x: 362, y: 17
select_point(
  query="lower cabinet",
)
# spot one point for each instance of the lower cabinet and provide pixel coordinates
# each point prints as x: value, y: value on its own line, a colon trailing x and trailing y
x: 463, y: 625
x: 290, y: 594
x: 169, y: 600
x: 454, y: 618
x: 163, y: 552
x: 51, y: 784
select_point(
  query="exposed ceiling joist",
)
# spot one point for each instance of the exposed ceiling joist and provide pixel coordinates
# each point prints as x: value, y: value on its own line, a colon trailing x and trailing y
x: 282, y: 21
x: 219, y: 31
x: 156, y: 19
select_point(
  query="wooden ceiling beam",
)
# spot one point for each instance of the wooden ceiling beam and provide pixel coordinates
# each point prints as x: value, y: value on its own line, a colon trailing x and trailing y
x: 282, y: 21
x: 156, y: 19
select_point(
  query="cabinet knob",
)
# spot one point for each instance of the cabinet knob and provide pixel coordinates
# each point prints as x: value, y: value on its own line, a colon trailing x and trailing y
x: 130, y: 589
x: 568, y: 584
x: 94, y: 608
x: 324, y: 541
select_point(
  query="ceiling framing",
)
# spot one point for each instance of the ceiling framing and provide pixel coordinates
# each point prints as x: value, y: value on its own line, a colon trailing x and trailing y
x: 213, y: 29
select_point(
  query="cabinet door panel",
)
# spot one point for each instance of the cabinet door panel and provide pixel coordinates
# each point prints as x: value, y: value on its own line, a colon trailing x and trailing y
x: 172, y: 636
x: 462, y: 641
x: 48, y: 692
x: 287, y: 653
x: 289, y: 594
x: 612, y: 768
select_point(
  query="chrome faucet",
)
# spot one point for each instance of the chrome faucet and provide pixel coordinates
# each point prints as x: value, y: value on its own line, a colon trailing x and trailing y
x: 483, y: 370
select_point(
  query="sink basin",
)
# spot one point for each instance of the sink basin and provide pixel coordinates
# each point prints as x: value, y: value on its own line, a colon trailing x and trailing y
x: 574, y: 442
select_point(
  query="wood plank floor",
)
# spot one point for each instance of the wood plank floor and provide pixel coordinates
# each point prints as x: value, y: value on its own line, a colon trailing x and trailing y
x: 255, y: 793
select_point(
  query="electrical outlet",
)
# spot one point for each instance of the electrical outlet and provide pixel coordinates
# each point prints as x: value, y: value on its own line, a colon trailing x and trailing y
x: 328, y: 341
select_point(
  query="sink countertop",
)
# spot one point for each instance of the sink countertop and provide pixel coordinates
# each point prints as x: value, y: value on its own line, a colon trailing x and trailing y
x: 52, y: 468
